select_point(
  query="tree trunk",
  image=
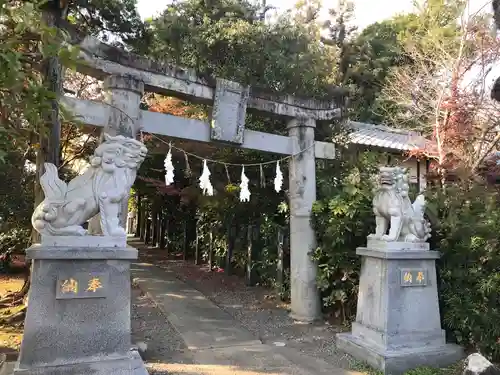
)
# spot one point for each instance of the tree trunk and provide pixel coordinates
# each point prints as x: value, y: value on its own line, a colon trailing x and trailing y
x: 49, y: 146
x: 154, y: 226
x: 138, y: 217
x: 27, y: 282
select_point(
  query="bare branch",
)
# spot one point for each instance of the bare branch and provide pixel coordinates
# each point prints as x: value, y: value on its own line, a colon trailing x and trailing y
x: 443, y: 94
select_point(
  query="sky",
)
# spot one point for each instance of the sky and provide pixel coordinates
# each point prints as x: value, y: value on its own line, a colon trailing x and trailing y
x: 367, y: 11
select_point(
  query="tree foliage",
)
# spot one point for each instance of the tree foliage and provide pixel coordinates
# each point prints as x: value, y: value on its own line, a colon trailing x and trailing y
x: 376, y: 50
x: 24, y: 99
x: 365, y: 58
x: 229, y: 39
x: 343, y: 217
x: 470, y: 264
x: 27, y: 42
x: 442, y: 91
x: 113, y: 21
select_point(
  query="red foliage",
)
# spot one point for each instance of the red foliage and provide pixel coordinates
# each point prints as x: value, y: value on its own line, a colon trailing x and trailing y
x: 169, y: 105
x: 463, y: 122
x: 160, y: 186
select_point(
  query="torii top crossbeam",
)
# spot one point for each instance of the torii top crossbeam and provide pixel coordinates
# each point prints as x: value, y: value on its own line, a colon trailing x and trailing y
x: 102, y: 60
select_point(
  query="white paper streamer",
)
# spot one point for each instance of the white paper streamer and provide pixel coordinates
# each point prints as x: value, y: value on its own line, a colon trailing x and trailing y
x: 278, y: 180
x: 244, y: 192
x: 205, y: 184
x: 187, y: 168
x: 169, y: 169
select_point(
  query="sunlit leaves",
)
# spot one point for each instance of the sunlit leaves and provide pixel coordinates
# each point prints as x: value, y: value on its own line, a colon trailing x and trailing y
x: 227, y: 39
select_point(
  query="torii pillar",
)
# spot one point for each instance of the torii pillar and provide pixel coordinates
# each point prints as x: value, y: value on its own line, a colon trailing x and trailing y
x: 123, y: 93
x: 305, y: 301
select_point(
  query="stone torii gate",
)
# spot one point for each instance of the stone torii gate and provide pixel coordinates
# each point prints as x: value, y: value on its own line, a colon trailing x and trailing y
x: 126, y: 76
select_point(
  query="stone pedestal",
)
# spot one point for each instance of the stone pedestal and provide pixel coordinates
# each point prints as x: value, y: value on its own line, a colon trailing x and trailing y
x: 398, y: 324
x: 78, y: 317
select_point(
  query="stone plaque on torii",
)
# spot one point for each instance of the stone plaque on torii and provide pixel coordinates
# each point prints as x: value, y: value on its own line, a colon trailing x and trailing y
x: 229, y: 112
x: 126, y: 76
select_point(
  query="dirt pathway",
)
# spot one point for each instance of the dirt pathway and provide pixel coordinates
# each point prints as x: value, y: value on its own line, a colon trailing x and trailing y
x: 256, y: 308
x: 218, y: 343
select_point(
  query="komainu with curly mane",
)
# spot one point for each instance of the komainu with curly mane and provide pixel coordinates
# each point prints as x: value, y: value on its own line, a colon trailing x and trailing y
x: 394, y: 210
x: 100, y: 189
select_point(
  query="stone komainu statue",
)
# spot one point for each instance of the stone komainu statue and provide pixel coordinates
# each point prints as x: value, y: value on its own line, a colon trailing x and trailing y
x: 394, y: 210
x: 100, y: 189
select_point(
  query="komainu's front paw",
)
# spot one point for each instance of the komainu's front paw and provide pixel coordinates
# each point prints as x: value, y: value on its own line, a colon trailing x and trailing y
x: 117, y: 232
x: 387, y: 237
x: 78, y: 230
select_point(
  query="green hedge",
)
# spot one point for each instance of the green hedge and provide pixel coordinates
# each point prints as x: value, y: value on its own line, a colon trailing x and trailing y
x: 343, y: 217
x: 469, y: 271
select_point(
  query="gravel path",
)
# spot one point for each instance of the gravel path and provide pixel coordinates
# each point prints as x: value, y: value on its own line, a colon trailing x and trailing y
x: 257, y: 309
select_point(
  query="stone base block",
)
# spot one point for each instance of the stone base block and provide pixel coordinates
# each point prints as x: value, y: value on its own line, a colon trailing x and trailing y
x: 7, y: 368
x: 396, y: 245
x: 398, y: 325
x: 398, y: 361
x: 78, y: 317
x: 129, y: 365
x: 83, y: 241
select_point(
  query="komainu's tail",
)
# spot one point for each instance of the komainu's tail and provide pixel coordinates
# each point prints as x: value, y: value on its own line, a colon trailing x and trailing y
x: 53, y: 187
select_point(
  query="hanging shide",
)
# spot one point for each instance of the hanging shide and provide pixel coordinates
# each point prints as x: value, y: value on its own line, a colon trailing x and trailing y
x: 244, y: 191
x: 205, y: 184
x: 169, y: 168
x: 278, y: 180
x: 204, y: 180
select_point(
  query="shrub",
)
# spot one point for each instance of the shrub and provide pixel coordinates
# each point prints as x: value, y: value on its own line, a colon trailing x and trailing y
x: 469, y: 270
x: 342, y: 220
x: 12, y: 241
